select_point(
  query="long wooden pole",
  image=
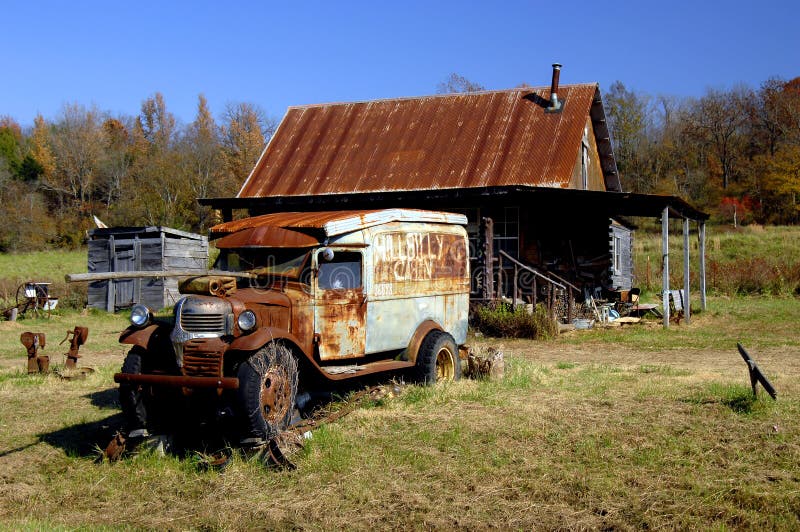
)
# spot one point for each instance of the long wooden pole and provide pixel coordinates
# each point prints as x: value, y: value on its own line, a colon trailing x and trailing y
x: 104, y: 276
x: 686, y: 306
x: 665, y: 265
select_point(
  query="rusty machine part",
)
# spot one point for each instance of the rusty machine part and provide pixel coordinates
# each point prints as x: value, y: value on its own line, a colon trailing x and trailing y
x: 217, y: 285
x: 33, y: 342
x: 79, y: 336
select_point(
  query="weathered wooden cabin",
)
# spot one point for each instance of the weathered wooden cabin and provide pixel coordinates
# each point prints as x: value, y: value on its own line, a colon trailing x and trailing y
x: 153, y: 248
x: 532, y: 168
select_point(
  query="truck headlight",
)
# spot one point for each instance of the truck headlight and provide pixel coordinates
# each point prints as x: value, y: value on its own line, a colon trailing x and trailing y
x: 140, y: 315
x: 246, y: 321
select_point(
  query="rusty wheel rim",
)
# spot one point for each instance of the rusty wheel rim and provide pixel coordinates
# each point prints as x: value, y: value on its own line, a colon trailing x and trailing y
x: 276, y: 395
x: 445, y: 365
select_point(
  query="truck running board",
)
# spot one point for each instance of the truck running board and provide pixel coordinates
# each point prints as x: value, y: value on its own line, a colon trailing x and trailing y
x: 341, y: 372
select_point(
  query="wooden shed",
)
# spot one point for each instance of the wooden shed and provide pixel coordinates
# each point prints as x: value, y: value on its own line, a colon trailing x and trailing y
x: 153, y: 248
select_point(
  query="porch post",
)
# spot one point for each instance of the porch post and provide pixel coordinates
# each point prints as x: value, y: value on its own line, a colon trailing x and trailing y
x: 687, y: 312
x: 665, y: 265
x: 488, y: 258
x: 702, y: 236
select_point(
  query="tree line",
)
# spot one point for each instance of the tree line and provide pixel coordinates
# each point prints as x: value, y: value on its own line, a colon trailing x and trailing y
x: 146, y: 169
x: 734, y: 153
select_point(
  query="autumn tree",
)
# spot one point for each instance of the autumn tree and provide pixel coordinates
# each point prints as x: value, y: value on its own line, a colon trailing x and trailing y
x: 156, y: 193
x: 717, y: 122
x: 202, y: 160
x: 77, y: 141
x: 115, y: 165
x: 627, y: 115
x: 244, y: 134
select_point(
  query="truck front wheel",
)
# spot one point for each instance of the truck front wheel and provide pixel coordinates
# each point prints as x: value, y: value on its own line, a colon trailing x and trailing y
x: 437, y: 359
x: 267, y: 391
x: 131, y: 396
x: 144, y: 407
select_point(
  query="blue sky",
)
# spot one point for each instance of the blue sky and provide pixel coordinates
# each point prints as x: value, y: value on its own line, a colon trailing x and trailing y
x: 115, y: 54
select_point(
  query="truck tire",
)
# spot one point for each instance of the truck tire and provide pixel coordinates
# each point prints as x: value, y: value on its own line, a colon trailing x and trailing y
x: 131, y: 396
x: 146, y: 407
x: 437, y: 359
x: 267, y: 392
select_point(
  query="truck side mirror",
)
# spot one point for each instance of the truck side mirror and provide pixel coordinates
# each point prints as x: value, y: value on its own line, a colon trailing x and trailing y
x: 327, y: 254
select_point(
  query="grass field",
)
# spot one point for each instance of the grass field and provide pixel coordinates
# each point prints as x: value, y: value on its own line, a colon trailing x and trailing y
x: 746, y: 260
x: 634, y: 427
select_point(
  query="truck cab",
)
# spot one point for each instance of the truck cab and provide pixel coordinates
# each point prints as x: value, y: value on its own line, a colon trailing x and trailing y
x: 296, y: 300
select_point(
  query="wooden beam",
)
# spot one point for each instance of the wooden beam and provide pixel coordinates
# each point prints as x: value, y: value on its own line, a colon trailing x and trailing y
x: 687, y: 309
x: 665, y: 265
x: 702, y: 236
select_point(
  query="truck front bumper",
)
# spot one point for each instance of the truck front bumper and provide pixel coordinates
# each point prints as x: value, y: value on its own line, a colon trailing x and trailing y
x: 225, y: 383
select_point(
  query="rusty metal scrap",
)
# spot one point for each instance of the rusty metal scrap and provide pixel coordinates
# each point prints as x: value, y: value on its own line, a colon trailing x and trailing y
x: 33, y: 342
x: 79, y: 335
x: 220, y: 286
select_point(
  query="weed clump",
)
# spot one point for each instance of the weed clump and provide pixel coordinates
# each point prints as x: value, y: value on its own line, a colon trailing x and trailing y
x: 501, y: 320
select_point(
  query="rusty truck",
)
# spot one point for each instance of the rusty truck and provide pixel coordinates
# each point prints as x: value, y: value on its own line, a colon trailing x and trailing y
x: 297, y: 301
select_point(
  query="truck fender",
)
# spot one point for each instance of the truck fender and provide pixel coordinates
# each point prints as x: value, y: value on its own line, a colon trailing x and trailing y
x: 260, y: 338
x: 422, y: 331
x: 144, y: 337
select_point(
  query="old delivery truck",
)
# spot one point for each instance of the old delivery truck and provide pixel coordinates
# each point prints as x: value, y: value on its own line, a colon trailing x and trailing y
x: 297, y: 300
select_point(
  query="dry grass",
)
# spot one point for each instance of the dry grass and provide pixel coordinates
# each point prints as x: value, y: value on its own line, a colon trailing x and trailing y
x: 594, y: 430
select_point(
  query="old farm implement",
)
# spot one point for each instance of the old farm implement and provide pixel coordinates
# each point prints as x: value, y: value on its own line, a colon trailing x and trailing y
x: 32, y: 297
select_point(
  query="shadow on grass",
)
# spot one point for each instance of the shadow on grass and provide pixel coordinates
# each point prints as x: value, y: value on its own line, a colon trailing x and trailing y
x: 738, y: 398
x: 105, y: 399
x: 84, y: 439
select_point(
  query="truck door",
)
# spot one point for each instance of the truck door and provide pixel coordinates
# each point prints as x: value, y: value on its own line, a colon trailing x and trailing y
x: 340, y: 305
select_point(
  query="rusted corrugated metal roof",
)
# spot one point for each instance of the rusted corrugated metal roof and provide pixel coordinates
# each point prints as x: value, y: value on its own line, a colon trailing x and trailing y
x: 462, y: 140
x: 333, y: 222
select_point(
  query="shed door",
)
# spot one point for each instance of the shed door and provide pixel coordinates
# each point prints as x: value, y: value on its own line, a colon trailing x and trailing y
x: 340, y: 306
x: 124, y: 261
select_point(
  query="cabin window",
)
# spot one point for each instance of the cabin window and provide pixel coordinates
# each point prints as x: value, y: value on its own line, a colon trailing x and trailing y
x: 473, y: 215
x: 585, y: 166
x: 506, y: 231
x: 343, y: 272
x: 616, y: 253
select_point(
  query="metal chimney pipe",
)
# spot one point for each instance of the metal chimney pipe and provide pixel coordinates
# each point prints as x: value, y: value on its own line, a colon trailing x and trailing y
x: 554, y: 103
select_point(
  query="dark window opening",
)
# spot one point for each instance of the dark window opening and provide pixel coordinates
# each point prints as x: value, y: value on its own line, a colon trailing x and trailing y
x: 343, y: 272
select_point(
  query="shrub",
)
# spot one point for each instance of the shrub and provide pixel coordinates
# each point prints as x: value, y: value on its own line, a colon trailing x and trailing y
x: 500, y: 320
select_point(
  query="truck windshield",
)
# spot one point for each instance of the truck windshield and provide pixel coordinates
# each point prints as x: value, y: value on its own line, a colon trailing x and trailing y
x: 279, y: 262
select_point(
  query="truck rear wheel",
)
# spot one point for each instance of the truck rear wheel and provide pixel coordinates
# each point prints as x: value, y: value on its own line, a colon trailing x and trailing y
x: 267, y: 391
x: 437, y: 359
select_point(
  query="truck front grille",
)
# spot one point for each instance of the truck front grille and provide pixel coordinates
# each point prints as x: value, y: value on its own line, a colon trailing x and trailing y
x: 202, y: 357
x: 205, y: 323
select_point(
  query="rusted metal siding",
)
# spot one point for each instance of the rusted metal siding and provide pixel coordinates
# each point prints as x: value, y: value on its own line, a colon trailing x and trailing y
x: 438, y: 142
x: 332, y: 223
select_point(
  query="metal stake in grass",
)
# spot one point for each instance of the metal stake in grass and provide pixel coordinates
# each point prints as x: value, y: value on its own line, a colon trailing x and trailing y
x: 755, y: 374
